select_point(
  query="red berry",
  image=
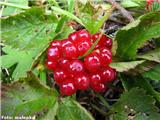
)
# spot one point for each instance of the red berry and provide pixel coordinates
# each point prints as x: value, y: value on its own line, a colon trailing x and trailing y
x: 104, y: 41
x: 99, y: 87
x: 83, y: 47
x: 95, y: 78
x: 63, y: 63
x: 83, y: 35
x: 76, y: 67
x: 66, y: 42
x: 106, y: 56
x: 60, y: 75
x: 53, y: 53
x: 73, y: 37
x: 81, y: 81
x: 149, y: 2
x: 108, y: 74
x: 70, y: 51
x: 51, y: 65
x: 95, y: 37
x: 67, y: 88
x: 56, y: 43
x: 92, y: 62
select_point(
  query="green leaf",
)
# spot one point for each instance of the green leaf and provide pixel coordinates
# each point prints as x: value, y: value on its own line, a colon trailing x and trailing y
x: 155, y: 6
x: 92, y: 17
x: 21, y: 58
x: 125, y: 66
x: 14, y: 6
x: 71, y: 110
x: 51, y: 113
x: 132, y: 36
x: 144, y: 67
x: 68, y: 14
x: 27, y: 97
x: 152, y: 55
x: 30, y: 30
x: 135, y: 104
x: 131, y: 3
x: 71, y: 4
x: 153, y: 74
x: 64, y: 32
x: 130, y: 82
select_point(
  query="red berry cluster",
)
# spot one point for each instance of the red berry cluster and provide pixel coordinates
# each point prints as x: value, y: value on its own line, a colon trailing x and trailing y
x: 72, y: 74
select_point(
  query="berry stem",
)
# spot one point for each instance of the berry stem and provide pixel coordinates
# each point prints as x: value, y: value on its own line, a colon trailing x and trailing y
x: 92, y: 47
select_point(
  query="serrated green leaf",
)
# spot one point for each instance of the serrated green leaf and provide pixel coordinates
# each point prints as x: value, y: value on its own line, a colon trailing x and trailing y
x: 31, y: 29
x: 135, y: 104
x: 27, y: 97
x: 153, y: 74
x: 21, y: 58
x: 130, y: 82
x: 152, y: 55
x: 71, y: 110
x: 125, y: 66
x: 132, y: 36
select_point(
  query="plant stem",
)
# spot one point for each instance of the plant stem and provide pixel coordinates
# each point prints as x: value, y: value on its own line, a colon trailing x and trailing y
x: 124, y: 12
x: 103, y: 100
x: 14, y: 5
x: 99, y: 110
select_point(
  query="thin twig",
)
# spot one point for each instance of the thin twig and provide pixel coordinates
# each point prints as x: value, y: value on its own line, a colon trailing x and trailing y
x: 106, y: 104
x: 99, y: 110
x: 122, y: 10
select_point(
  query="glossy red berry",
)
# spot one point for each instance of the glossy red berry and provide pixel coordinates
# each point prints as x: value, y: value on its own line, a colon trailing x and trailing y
x: 53, y: 53
x: 73, y: 37
x: 65, y: 43
x: 67, y: 88
x: 104, y: 41
x: 51, y: 65
x: 82, y: 81
x: 95, y: 79
x: 95, y: 37
x: 63, y: 63
x: 60, y: 75
x: 56, y: 43
x: 106, y: 56
x: 83, y: 47
x: 70, y: 51
x: 92, y: 62
x: 83, y: 35
x: 100, y: 87
x: 108, y: 74
x: 76, y: 67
